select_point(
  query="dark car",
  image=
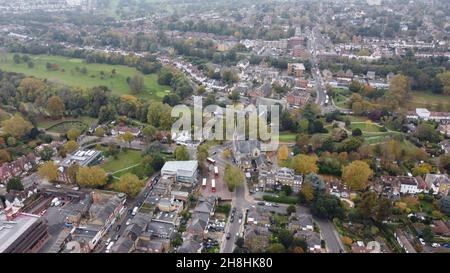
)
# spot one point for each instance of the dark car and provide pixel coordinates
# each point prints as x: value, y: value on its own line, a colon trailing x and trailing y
x: 233, y: 210
x: 116, y: 237
x: 228, y: 236
x: 232, y: 219
x: 118, y: 227
x: 261, y: 203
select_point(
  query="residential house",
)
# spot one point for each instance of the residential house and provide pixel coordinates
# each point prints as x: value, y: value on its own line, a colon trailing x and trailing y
x: 258, y: 216
x: 439, y: 183
x: 298, y: 99
x: 301, y: 222
x: 122, y: 129
x: 444, y: 129
x: 440, y: 228
x: 256, y: 238
x: 312, y: 239
x: 296, y: 69
x: 404, y: 242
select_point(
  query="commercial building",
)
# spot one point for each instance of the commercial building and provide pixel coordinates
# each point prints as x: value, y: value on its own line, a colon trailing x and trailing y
x: 22, y: 233
x: 184, y: 171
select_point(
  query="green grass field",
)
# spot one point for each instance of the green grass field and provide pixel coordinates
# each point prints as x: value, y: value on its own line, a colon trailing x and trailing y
x: 68, y: 74
x: 429, y: 100
x: 49, y: 123
x: 366, y: 127
x: 125, y: 159
x: 287, y: 137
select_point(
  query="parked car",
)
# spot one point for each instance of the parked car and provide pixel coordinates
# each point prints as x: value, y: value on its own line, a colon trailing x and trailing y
x: 118, y: 227
x: 128, y: 222
x: 228, y: 236
x: 422, y: 241
x: 261, y: 203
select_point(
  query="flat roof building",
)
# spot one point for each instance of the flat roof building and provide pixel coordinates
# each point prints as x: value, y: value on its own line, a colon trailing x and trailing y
x: 22, y: 234
x: 184, y: 171
x: 82, y: 158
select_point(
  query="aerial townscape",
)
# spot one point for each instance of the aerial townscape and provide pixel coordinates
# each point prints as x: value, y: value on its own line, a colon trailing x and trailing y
x: 90, y: 162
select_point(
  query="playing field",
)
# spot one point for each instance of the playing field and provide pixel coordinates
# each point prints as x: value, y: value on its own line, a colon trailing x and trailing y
x: 125, y: 159
x: 69, y: 72
x: 429, y: 100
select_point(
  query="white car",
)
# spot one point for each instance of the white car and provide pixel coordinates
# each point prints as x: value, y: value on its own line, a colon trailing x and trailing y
x: 435, y: 245
x: 422, y: 241
x: 2, y: 186
x: 128, y: 222
x: 58, y: 186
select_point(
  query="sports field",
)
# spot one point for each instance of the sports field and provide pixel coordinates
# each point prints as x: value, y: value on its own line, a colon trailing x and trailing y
x: 70, y: 72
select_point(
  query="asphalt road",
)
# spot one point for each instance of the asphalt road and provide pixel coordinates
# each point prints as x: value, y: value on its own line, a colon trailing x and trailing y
x: 130, y: 204
x: 235, y: 227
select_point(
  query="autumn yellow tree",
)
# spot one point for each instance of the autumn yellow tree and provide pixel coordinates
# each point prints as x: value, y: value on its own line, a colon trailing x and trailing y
x: 233, y: 176
x: 356, y: 175
x: 399, y: 88
x: 307, y: 192
x: 73, y: 134
x: 304, y: 164
x: 226, y: 153
x: 16, y: 126
x: 422, y: 169
x: 49, y: 171
x: 283, y: 153
x: 70, y: 146
x: 91, y: 177
x: 31, y: 88
x: 347, y: 240
x: 99, y: 132
x: 55, y: 107
x: 127, y: 137
x: 5, y: 156
x: 129, y: 184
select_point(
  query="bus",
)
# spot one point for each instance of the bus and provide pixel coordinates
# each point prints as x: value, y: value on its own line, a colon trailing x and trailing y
x: 213, y: 185
x: 204, y: 183
x: 210, y: 160
x: 216, y: 171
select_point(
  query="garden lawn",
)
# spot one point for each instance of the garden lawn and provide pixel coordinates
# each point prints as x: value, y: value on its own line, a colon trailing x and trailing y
x: 366, y: 127
x: 68, y: 74
x: 125, y: 159
x: 287, y: 137
x: 49, y: 123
